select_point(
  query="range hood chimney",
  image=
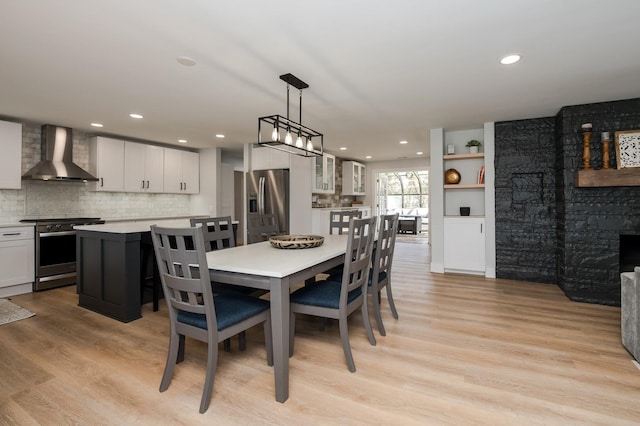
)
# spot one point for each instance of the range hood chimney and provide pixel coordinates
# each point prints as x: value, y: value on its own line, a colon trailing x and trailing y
x: 57, y: 158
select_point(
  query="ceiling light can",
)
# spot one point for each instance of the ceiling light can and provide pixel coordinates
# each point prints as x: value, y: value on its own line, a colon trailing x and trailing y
x: 510, y: 59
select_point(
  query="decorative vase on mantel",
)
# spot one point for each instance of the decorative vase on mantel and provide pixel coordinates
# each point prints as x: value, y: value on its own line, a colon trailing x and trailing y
x: 473, y: 149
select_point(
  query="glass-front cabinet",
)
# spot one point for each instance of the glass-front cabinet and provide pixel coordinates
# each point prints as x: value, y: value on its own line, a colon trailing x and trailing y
x: 353, y: 178
x: 324, y: 174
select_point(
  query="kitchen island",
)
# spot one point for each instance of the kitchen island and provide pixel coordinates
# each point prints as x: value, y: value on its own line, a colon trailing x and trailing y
x: 108, y: 260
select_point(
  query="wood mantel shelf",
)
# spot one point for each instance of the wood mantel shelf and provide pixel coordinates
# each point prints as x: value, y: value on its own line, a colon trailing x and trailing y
x: 607, y: 177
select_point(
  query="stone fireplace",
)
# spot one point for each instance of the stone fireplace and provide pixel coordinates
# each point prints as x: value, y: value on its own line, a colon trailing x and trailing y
x: 629, y: 252
x: 548, y: 229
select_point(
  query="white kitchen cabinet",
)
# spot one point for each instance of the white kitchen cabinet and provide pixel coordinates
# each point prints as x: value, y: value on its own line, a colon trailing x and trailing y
x: 265, y: 158
x: 464, y: 245
x: 143, y: 167
x: 324, y: 174
x: 181, y: 171
x: 106, y: 162
x: 353, y: 178
x: 17, y: 260
x: 11, y: 158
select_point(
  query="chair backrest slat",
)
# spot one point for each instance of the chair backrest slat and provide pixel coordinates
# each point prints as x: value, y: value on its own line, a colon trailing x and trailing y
x: 217, y: 231
x: 357, y: 264
x: 184, y: 273
x: 385, y: 244
x: 339, y: 220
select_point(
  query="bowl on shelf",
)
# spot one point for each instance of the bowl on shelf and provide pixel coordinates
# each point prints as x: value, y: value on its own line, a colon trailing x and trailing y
x: 451, y: 176
x: 296, y: 241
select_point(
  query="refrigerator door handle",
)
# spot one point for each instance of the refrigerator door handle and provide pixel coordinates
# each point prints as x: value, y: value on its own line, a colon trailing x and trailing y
x: 261, y: 190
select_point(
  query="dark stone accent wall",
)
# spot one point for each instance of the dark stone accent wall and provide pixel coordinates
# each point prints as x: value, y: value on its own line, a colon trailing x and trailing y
x: 549, y: 231
x: 593, y: 218
x: 525, y: 200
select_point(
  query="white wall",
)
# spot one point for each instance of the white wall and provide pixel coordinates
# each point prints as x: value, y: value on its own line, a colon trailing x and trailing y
x: 436, y: 201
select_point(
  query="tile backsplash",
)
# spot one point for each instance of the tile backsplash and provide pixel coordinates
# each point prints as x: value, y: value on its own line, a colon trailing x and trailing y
x: 38, y: 199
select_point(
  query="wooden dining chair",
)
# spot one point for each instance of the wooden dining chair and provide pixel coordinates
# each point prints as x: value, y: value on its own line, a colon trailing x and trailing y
x: 339, y: 220
x: 380, y: 276
x: 339, y: 224
x: 338, y: 299
x: 261, y: 226
x: 218, y: 234
x: 193, y: 309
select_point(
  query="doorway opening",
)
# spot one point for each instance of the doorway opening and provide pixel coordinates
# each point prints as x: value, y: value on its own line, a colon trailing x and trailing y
x: 406, y: 193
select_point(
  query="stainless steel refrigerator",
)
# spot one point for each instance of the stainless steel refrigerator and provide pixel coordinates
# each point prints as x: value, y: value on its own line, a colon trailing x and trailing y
x: 268, y: 193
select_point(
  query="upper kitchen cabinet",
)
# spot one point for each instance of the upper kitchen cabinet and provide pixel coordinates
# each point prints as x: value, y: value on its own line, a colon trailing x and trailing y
x: 353, y: 178
x: 143, y: 167
x: 324, y: 174
x: 11, y: 158
x: 106, y: 162
x: 265, y: 158
x: 181, y: 171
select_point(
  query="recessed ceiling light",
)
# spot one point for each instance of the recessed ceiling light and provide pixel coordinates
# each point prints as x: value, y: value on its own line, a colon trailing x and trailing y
x: 135, y: 115
x: 510, y: 59
x: 368, y: 156
x: 97, y: 125
x: 419, y: 153
x: 343, y: 148
x: 220, y: 136
x: 403, y: 142
x: 182, y: 140
x: 186, y: 61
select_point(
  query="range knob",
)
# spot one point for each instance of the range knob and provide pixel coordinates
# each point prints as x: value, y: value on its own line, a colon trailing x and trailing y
x: 49, y: 228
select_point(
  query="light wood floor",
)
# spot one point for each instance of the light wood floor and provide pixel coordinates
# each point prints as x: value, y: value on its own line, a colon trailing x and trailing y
x: 465, y: 351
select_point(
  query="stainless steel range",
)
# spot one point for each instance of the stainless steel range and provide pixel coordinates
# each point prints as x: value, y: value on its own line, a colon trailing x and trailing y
x: 55, y: 243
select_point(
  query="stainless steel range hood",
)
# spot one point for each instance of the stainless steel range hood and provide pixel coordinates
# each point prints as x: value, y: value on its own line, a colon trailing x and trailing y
x: 57, y: 158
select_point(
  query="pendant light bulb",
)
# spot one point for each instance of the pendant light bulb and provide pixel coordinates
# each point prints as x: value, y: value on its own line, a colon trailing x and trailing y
x: 275, y: 135
x: 299, y: 143
x: 309, y: 145
x: 288, y: 139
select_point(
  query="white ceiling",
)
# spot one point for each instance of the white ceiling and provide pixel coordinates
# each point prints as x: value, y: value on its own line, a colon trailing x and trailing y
x: 379, y: 71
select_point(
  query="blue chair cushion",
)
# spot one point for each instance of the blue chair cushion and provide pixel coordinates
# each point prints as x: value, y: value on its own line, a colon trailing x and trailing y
x: 381, y: 276
x: 325, y: 294
x: 222, y: 288
x: 230, y: 310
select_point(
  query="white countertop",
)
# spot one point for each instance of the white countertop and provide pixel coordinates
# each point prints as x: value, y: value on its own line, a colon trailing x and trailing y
x: 341, y: 208
x: 15, y: 224
x: 136, y: 226
x: 265, y: 260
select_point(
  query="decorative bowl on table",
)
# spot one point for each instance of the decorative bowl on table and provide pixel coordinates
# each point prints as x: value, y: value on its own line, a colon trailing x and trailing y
x: 296, y: 241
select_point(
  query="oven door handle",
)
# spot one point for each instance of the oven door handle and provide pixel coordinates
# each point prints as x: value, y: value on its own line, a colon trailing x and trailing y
x: 56, y: 234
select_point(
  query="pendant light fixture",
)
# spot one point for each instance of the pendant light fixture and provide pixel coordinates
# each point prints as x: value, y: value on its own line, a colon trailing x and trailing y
x: 307, y: 143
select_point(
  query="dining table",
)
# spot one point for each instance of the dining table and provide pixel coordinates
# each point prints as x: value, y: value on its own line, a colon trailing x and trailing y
x: 277, y: 270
